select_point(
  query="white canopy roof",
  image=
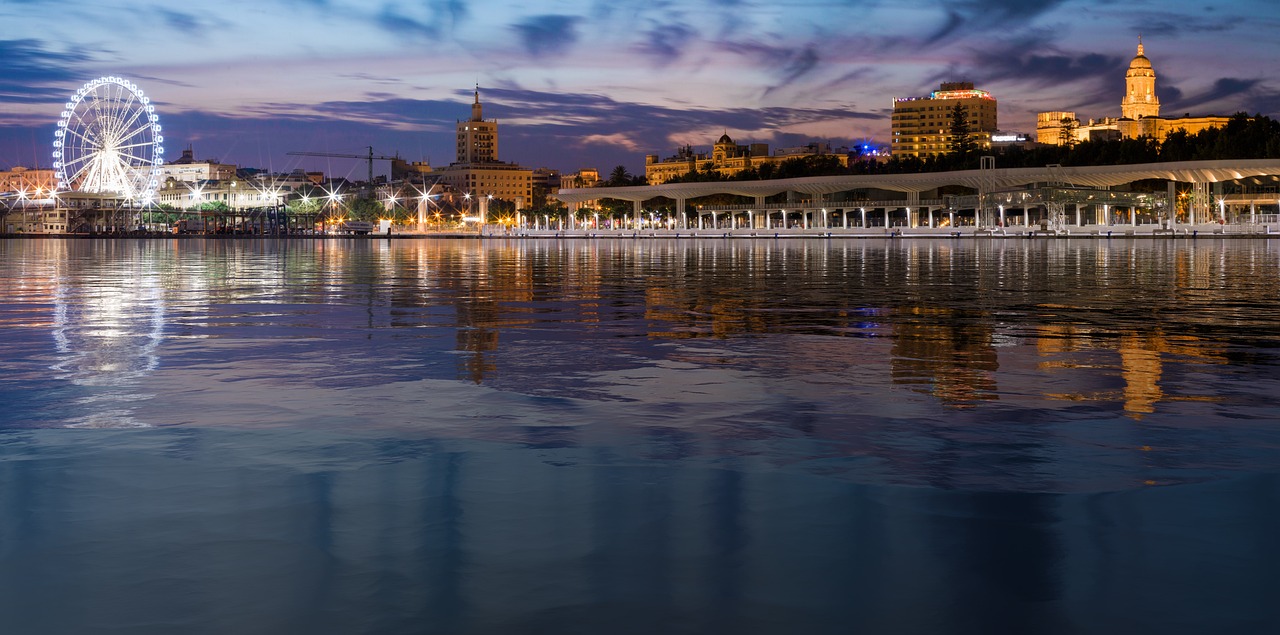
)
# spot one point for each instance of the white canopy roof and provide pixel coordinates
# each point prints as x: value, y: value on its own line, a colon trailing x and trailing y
x: 997, y: 179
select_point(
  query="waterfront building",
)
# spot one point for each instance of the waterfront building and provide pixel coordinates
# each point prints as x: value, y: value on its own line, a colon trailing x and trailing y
x: 1055, y: 127
x: 188, y: 170
x: 477, y: 137
x: 262, y: 190
x: 729, y: 158
x: 1139, y: 114
x: 1160, y: 127
x: 28, y: 181
x: 586, y: 177
x: 477, y: 171
x: 922, y: 125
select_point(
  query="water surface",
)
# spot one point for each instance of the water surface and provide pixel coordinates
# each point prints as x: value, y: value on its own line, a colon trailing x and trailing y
x: 756, y: 436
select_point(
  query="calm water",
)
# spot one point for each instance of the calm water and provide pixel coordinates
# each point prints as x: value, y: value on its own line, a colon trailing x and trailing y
x: 629, y: 436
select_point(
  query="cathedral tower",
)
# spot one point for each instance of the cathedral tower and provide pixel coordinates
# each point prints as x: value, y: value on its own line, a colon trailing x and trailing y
x: 1140, y: 89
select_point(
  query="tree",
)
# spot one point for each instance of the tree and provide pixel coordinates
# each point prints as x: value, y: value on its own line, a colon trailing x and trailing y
x: 365, y: 209
x: 960, y: 143
x: 1067, y: 132
x: 619, y: 177
x: 213, y: 206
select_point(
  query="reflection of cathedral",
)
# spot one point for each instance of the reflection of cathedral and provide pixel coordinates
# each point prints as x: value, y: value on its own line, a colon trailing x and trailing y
x: 1139, y: 113
x: 1141, y: 364
x: 947, y: 351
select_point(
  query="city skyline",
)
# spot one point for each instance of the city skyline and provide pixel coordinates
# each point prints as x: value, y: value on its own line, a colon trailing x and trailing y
x: 591, y: 84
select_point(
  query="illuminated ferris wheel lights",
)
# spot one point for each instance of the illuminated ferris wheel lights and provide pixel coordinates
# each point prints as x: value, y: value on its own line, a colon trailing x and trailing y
x: 99, y: 145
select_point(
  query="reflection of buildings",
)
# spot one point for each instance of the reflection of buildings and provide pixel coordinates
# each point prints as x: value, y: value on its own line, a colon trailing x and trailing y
x: 922, y: 125
x: 1139, y: 114
x: 949, y: 352
x: 1141, y: 361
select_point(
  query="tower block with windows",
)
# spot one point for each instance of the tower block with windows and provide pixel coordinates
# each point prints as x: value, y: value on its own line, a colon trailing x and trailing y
x: 477, y: 138
x: 478, y: 175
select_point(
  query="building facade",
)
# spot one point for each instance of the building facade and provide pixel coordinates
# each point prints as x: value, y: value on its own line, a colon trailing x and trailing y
x: 729, y: 158
x: 188, y: 170
x: 922, y: 125
x: 1139, y: 114
x: 31, y: 182
x: 1140, y: 88
x: 477, y: 171
x: 477, y: 138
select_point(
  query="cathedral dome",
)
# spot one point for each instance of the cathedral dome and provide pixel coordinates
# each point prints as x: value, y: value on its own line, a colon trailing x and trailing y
x: 724, y: 138
x: 1140, y: 60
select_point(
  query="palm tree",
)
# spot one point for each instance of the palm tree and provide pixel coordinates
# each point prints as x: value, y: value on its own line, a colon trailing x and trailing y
x: 619, y: 177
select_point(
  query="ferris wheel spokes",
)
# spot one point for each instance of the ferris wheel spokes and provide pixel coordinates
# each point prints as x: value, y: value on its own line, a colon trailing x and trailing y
x: 108, y: 141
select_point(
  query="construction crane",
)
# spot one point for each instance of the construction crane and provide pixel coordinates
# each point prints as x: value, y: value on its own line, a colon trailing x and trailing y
x: 367, y: 157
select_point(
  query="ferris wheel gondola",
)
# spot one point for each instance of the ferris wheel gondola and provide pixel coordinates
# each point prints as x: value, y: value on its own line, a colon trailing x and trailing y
x: 108, y: 141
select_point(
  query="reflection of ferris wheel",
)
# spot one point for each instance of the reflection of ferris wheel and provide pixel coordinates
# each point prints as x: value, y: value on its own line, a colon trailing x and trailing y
x: 108, y: 141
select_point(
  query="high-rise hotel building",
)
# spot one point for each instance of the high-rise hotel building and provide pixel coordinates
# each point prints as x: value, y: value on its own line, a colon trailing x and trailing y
x: 477, y: 137
x: 922, y: 125
x: 477, y: 171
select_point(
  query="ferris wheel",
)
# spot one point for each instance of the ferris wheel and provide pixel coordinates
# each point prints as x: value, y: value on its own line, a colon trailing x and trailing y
x: 108, y: 141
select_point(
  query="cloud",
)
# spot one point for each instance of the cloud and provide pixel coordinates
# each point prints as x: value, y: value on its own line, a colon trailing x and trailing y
x: 392, y: 21
x: 1030, y: 61
x: 1170, y: 27
x: 975, y: 16
x: 1223, y: 88
x: 799, y: 65
x: 536, y: 127
x: 185, y: 22
x: 431, y: 21
x: 665, y: 43
x: 787, y: 64
x: 35, y: 74
x: 544, y: 35
x: 615, y: 140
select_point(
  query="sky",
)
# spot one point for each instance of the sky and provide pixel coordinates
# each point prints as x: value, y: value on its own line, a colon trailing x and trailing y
x: 592, y: 83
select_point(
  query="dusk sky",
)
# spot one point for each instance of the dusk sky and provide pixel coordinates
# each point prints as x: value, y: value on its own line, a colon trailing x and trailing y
x: 587, y: 83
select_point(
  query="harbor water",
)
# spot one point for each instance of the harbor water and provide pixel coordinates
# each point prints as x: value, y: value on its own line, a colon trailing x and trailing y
x: 640, y: 436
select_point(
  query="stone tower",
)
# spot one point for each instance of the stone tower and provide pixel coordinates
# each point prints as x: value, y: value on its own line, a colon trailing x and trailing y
x: 1140, y: 89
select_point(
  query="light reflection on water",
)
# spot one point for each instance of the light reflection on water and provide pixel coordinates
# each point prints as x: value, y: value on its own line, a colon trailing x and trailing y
x: 858, y: 345
x: 598, y: 401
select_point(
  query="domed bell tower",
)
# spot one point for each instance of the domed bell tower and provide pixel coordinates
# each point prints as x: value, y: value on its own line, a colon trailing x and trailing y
x: 1140, y: 88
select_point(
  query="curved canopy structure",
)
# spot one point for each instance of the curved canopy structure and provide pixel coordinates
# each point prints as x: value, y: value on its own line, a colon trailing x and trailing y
x: 990, y: 180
